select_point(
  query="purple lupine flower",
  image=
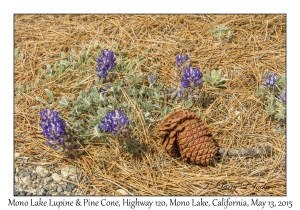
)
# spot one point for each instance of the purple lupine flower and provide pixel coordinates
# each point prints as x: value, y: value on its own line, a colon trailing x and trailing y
x: 191, y: 77
x: 270, y: 78
x: 53, y: 128
x: 116, y: 123
x: 106, y: 63
x: 181, y: 61
x: 283, y: 96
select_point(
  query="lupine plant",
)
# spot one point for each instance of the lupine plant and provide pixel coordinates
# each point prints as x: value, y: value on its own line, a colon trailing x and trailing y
x: 273, y: 92
x: 221, y: 33
x: 107, y: 109
x: 213, y: 79
x: 75, y: 63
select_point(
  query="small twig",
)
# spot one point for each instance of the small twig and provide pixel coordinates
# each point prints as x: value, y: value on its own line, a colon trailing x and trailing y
x: 248, y: 152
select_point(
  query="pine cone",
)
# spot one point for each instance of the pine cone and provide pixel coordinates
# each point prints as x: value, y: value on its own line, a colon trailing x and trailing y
x: 187, y: 137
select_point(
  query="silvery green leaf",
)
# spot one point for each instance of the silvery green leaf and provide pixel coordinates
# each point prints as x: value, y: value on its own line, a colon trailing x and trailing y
x: 148, y: 117
x: 42, y: 101
x: 206, y: 78
x: 97, y: 81
x: 16, y: 53
x: 71, y: 119
x: 142, y: 91
x: 110, y: 107
x: 93, y: 91
x: 141, y: 57
x: 270, y: 110
x: 202, y: 116
x: 48, y: 67
x: 101, y: 113
x: 92, y: 120
x: 213, y: 74
x: 65, y: 63
x: 87, y: 101
x: 156, y: 96
x: 62, y: 55
x: 113, y: 102
x: 261, y: 90
x: 97, y: 131
x: 116, y: 45
x: 124, y: 105
x: 218, y: 74
x: 82, y: 94
x: 82, y: 58
x: 124, y: 51
x: 21, y: 88
x: 83, y: 69
x: 50, y: 95
x: 60, y: 69
x: 188, y: 104
x: 270, y: 98
x: 146, y: 51
x: 36, y: 107
x: 102, y: 97
x: 73, y: 54
x: 45, y: 74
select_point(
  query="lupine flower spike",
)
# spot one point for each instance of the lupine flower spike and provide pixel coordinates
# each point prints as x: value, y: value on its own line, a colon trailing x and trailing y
x: 191, y: 77
x: 181, y: 62
x: 270, y: 78
x: 106, y: 64
x: 116, y: 123
x: 190, y: 82
x: 53, y: 128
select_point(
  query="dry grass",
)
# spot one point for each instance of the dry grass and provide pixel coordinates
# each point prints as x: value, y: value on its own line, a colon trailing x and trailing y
x: 236, y: 117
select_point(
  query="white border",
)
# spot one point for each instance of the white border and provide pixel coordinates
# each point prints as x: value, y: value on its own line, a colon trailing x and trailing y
x: 8, y: 8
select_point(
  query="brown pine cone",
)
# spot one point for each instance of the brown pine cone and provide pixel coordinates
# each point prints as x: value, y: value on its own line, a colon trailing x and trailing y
x: 187, y: 137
